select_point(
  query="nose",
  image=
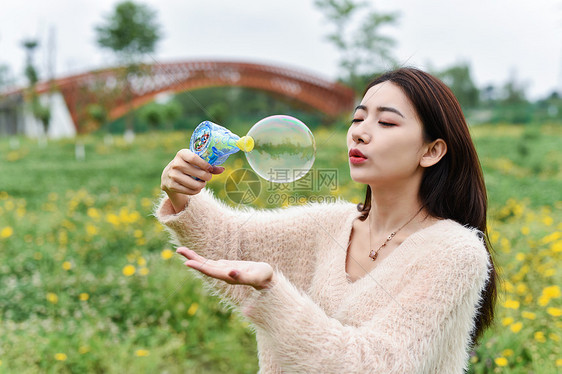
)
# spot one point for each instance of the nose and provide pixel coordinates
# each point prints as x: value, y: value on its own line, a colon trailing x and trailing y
x: 359, y: 134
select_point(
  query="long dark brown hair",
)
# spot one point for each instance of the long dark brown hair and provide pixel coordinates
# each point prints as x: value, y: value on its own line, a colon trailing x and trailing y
x: 454, y: 187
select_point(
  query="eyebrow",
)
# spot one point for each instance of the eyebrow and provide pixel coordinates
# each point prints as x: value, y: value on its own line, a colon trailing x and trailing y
x: 381, y: 109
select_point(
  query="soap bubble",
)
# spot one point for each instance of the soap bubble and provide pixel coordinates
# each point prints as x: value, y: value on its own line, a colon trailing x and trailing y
x: 284, y: 149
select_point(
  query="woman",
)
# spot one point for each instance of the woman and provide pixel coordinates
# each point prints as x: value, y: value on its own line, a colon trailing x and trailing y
x: 402, y: 283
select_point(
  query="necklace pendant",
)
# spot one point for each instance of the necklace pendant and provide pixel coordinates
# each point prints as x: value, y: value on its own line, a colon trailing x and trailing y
x: 373, y: 255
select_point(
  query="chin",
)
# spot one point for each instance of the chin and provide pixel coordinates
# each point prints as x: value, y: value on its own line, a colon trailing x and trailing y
x: 359, y: 177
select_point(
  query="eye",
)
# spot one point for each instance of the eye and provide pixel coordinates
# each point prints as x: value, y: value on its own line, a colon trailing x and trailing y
x: 386, y: 124
x: 355, y: 120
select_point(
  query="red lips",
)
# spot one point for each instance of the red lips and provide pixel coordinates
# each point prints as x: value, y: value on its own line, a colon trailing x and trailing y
x: 356, y: 157
x: 353, y: 152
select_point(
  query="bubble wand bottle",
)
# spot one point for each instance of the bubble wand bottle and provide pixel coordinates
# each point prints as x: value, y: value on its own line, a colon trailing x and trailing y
x: 279, y: 148
x: 214, y: 143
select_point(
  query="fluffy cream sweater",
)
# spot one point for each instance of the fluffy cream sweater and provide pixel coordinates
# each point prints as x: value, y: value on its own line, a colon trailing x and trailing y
x: 412, y: 314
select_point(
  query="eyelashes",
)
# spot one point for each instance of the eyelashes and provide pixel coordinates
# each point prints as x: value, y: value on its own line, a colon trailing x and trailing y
x: 382, y: 123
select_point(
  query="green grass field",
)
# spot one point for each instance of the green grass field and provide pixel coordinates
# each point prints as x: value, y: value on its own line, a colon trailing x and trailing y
x: 89, y: 283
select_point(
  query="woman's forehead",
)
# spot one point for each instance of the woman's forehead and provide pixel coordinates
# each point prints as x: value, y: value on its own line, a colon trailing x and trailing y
x: 390, y: 95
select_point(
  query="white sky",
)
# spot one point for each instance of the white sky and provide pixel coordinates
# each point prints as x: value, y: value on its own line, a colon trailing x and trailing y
x: 500, y: 38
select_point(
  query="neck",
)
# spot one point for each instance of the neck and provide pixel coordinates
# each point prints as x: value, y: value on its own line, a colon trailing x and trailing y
x: 392, y: 207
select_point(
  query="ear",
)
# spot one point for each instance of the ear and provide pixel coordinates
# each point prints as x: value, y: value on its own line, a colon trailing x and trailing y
x: 434, y: 152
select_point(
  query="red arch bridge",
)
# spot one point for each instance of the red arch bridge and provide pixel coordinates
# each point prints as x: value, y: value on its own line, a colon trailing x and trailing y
x: 119, y: 90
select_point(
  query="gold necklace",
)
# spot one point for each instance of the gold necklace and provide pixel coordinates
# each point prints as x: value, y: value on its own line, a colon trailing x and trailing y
x: 374, y: 254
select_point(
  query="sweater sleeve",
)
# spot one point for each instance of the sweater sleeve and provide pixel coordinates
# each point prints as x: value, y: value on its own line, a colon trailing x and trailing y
x: 284, y: 238
x: 408, y: 335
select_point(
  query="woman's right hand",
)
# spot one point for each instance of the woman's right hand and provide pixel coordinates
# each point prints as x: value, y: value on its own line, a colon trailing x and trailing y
x: 177, y: 177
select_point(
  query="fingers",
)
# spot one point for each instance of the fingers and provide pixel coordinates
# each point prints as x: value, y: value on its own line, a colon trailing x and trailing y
x: 190, y: 255
x: 212, y: 269
x: 188, y: 163
x: 179, y: 175
x: 193, y: 159
x: 184, y: 185
x: 216, y: 269
x: 217, y: 170
x: 255, y: 274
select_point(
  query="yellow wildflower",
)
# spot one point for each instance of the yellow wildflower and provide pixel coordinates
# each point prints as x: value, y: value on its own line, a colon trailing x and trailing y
x: 506, y: 245
x: 84, y: 296
x: 507, y: 321
x: 83, y: 349
x: 555, y: 312
x: 543, y: 300
x: 507, y: 352
x: 547, y: 220
x: 559, y: 362
x: 6, y: 232
x: 52, y: 298
x: 520, y: 256
x: 142, y: 352
x: 146, y: 202
x: 141, y: 261
x: 494, y: 236
x: 91, y: 230
x: 63, y: 237
x: 551, y: 292
x: 193, y: 309
x: 551, y: 237
x: 66, y: 265
x: 113, y: 219
x: 94, y: 213
x: 528, y: 315
x: 144, y: 271
x: 167, y: 254
x: 60, y: 357
x: 539, y: 336
x: 522, y: 288
x: 549, y: 273
x: 511, y: 304
x: 552, y: 336
x: 501, y: 361
x: 525, y: 230
x: 129, y: 270
x: 556, y: 246
x: 516, y: 327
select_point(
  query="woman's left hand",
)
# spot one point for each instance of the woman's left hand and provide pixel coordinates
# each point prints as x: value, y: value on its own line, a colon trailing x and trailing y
x: 259, y: 275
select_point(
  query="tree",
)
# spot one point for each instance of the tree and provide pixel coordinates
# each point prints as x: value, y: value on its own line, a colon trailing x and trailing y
x: 30, y: 72
x: 364, y: 50
x: 40, y: 112
x: 5, y: 77
x: 153, y: 115
x: 514, y: 104
x: 459, y: 80
x: 157, y: 115
x: 131, y: 32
